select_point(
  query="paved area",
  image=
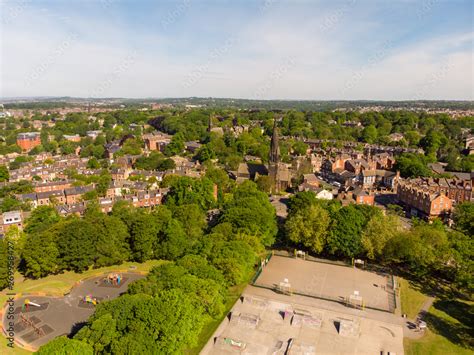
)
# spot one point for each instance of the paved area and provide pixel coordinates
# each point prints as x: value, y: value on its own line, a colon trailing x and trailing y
x: 62, y: 315
x: 327, y: 281
x: 267, y: 321
x: 410, y: 330
x: 263, y: 322
x: 280, y: 204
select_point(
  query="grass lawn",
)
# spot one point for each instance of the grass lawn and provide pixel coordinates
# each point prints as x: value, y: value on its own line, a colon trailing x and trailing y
x: 433, y: 344
x: 57, y: 285
x: 210, y: 328
x: 411, y: 298
x: 4, y: 349
x: 436, y: 344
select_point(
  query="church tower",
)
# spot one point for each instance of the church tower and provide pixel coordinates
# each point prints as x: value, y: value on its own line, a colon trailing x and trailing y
x: 209, y: 124
x: 274, y: 147
x: 277, y: 171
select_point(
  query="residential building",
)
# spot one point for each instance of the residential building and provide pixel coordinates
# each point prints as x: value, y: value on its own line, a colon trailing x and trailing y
x: 49, y: 197
x: 72, y: 138
x: 93, y: 134
x: 9, y: 219
x: 52, y: 186
x: 120, y: 174
x: 74, y: 194
x: 27, y: 141
x: 156, y: 141
x: 192, y: 146
x: 458, y: 190
x: 357, y: 196
x: 422, y: 202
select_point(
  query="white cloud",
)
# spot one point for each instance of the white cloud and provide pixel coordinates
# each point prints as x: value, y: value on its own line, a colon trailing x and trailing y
x: 75, y: 57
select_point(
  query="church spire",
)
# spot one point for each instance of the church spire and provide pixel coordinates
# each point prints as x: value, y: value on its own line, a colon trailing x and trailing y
x: 209, y: 124
x: 274, y: 147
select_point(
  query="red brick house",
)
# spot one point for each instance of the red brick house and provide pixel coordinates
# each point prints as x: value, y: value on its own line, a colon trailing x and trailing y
x: 52, y: 186
x: 27, y: 141
x: 422, y: 202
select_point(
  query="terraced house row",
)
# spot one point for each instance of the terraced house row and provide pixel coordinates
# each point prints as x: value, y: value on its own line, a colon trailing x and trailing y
x: 434, y: 197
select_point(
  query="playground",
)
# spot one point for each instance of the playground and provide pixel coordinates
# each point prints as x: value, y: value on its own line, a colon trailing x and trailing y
x: 352, y: 286
x: 38, y: 319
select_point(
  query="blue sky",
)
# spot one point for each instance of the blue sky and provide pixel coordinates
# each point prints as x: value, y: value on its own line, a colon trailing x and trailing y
x: 267, y: 49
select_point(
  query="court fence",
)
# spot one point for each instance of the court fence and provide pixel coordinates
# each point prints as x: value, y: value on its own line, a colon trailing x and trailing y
x: 390, y: 287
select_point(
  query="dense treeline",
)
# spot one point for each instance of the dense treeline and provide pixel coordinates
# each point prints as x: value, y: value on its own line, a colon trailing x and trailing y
x: 360, y: 231
x: 167, y: 309
x: 51, y: 244
x: 441, y: 137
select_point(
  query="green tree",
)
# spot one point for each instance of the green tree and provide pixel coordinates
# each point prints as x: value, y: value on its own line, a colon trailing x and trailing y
x: 462, y: 272
x: 100, y: 334
x: 346, y: 230
x: 235, y: 258
x: 67, y: 147
x: 250, y: 211
x: 201, y: 291
x: 432, y: 141
x: 41, y: 219
x: 166, y: 164
x: 131, y: 147
x: 205, y: 153
x: 3, y: 264
x: 379, y: 230
x: 464, y: 217
x: 308, y: 226
x: 15, y: 164
x: 176, y: 146
x: 369, y: 134
x: 143, y: 235
x: 264, y: 183
x: 103, y: 184
x: 4, y: 174
x: 300, y: 148
x: 76, y: 244
x: 40, y: 255
x: 110, y: 239
x: 198, y: 266
x: 219, y: 177
x: 173, y: 242
x: 167, y: 323
x: 10, y: 203
x: 192, y: 218
x: 65, y: 346
x: 150, y: 162
x: 93, y: 163
x: 412, y: 165
x: 424, y: 249
x: 300, y: 201
x: 185, y: 190
x: 413, y: 138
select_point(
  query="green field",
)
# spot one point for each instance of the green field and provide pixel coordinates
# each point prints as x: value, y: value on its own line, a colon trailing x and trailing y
x: 450, y: 323
x: 411, y: 298
x: 58, y: 285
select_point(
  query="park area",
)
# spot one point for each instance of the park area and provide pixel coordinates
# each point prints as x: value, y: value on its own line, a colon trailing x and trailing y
x: 60, y: 304
x: 258, y: 325
x: 285, y: 311
x: 327, y: 281
x: 38, y: 319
